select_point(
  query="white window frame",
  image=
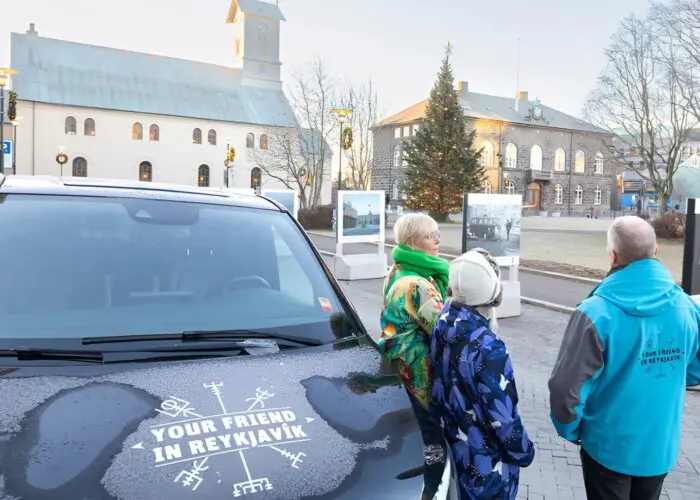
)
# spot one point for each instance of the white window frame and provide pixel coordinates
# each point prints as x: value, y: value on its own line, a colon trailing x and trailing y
x: 580, y: 164
x: 406, y: 131
x: 558, y: 194
x: 536, y: 165
x: 397, y: 133
x: 488, y: 189
x: 397, y: 156
x: 598, y: 198
x: 579, y: 195
x: 510, y: 187
x: 560, y: 160
x: 599, y: 163
x: 416, y: 128
x: 487, y: 154
x: 511, y: 155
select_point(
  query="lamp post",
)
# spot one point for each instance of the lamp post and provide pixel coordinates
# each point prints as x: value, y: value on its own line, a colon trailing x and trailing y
x: 501, y: 175
x: 61, y: 159
x: 5, y: 74
x: 228, y: 162
x: 342, y: 115
x: 14, y: 146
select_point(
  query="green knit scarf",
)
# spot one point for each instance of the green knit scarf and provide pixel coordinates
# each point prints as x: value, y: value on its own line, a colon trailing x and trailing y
x: 417, y: 263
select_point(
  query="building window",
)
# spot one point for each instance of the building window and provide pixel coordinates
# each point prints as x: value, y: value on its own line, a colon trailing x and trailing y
x: 250, y: 141
x: 416, y: 128
x: 263, y: 141
x: 598, y: 199
x: 560, y: 160
x: 203, y: 176
x: 146, y: 171
x: 211, y: 137
x: 71, y: 125
x: 137, y: 131
x: 487, y: 187
x: 558, y: 194
x: 154, y: 133
x: 255, y: 178
x: 407, y: 131
x: 395, y: 190
x: 599, y: 163
x: 89, y: 127
x: 580, y: 166
x: 397, y: 156
x: 536, y: 158
x: 579, y: 195
x: 197, y: 136
x: 487, y: 154
x: 397, y: 133
x: 510, y: 187
x: 79, y: 167
x: 511, y: 155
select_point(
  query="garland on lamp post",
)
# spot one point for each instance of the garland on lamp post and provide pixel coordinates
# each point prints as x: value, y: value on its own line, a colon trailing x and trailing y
x: 12, y: 106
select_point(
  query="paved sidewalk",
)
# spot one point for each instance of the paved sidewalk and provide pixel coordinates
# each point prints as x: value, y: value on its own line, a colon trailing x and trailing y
x: 533, y: 342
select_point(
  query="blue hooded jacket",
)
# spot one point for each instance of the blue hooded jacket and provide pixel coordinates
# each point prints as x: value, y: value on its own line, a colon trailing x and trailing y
x: 618, y: 386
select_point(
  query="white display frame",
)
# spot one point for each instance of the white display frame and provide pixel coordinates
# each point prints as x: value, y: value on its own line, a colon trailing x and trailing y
x: 365, y: 238
x: 511, y: 261
x: 267, y: 192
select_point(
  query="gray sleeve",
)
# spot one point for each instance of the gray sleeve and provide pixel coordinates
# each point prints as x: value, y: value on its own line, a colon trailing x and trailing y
x: 580, y: 358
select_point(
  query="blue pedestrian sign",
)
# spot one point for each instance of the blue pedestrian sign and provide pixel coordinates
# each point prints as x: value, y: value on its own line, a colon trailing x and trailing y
x: 7, y: 153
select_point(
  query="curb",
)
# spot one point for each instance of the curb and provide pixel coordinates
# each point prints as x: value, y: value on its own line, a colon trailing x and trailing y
x: 530, y: 270
x: 547, y: 305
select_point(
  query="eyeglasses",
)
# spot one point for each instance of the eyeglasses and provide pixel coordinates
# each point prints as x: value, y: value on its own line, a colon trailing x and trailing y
x: 435, y: 236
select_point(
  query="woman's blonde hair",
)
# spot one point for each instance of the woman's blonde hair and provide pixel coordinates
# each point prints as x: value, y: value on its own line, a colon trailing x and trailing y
x: 411, y: 228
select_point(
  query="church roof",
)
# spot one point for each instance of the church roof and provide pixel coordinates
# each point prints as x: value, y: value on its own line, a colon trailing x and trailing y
x: 490, y: 107
x: 73, y: 74
x: 256, y: 8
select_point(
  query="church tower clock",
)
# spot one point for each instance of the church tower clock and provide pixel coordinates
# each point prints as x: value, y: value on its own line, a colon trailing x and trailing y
x: 256, y: 29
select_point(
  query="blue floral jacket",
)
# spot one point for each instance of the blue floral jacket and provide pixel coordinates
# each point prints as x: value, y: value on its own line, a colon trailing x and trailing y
x: 474, y: 398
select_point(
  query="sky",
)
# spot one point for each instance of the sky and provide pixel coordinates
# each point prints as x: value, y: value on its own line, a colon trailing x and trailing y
x: 364, y: 203
x: 393, y: 42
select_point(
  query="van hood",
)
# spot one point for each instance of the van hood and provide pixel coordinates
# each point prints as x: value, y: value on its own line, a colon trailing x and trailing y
x: 322, y: 423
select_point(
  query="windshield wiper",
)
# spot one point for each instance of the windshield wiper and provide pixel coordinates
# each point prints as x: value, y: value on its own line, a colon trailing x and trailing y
x: 33, y: 354
x: 241, y: 336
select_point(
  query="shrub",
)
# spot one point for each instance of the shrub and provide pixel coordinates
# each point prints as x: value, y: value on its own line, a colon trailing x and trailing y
x: 671, y: 225
x: 319, y: 217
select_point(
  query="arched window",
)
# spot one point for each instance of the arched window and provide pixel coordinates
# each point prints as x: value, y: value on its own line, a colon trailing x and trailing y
x: 71, y: 125
x: 579, y: 195
x: 146, y: 171
x: 580, y: 166
x: 263, y: 141
x: 255, y: 178
x: 79, y: 167
x: 558, y: 194
x: 197, y: 136
x: 510, y: 187
x: 203, y: 176
x: 487, y: 154
x: 89, y: 127
x: 598, y: 199
x: 211, y: 137
x: 154, y: 133
x: 511, y: 156
x: 137, y: 131
x: 250, y: 141
x: 560, y: 160
x: 487, y: 187
x: 536, y: 158
x: 599, y: 163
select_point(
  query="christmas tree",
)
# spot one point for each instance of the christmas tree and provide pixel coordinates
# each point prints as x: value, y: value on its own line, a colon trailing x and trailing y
x: 441, y: 160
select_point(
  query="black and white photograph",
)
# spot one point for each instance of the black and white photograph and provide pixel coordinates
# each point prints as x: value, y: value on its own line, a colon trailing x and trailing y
x: 362, y: 216
x: 493, y: 223
x: 288, y: 199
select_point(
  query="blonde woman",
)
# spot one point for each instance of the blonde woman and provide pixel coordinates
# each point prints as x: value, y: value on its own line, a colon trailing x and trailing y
x: 415, y: 290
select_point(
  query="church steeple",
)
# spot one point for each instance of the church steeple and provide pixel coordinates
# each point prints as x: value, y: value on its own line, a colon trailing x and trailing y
x: 257, y: 41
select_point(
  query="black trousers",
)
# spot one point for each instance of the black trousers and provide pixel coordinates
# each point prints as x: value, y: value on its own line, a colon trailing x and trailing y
x: 604, y: 484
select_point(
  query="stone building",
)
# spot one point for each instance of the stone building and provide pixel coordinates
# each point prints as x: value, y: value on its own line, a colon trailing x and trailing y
x: 559, y: 163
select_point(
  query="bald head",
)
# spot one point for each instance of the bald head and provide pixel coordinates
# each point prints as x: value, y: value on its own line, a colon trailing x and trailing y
x: 630, y: 239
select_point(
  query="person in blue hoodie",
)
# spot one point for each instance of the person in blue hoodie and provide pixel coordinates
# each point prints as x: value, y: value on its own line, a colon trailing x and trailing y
x: 474, y: 398
x: 628, y: 353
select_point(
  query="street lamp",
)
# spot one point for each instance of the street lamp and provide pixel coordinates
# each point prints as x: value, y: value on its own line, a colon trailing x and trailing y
x: 5, y: 74
x: 228, y: 162
x: 15, y: 122
x: 61, y: 159
x: 342, y: 115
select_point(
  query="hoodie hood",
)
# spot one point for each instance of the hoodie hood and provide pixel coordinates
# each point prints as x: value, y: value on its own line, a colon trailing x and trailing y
x: 643, y: 288
x: 459, y: 322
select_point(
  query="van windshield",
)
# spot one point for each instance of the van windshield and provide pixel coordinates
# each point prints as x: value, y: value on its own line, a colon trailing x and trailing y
x: 76, y: 267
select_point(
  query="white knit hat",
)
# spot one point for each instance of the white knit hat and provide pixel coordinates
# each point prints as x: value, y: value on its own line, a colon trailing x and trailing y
x: 475, y: 280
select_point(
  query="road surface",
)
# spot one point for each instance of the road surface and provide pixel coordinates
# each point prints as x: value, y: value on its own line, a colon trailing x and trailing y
x: 555, y: 290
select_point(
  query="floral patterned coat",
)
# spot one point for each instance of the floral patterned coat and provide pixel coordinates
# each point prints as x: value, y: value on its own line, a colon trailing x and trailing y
x: 475, y: 400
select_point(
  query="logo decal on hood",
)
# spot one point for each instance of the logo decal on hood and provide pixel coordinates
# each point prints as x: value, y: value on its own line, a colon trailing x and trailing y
x: 198, y: 439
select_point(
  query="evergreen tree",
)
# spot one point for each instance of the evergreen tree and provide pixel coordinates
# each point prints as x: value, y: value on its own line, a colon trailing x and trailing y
x: 441, y: 160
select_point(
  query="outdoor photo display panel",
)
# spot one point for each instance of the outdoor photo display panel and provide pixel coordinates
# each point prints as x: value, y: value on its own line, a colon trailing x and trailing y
x: 287, y: 198
x: 493, y: 223
x: 361, y: 218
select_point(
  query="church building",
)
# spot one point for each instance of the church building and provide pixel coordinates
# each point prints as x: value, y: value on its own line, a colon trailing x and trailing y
x: 128, y: 115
